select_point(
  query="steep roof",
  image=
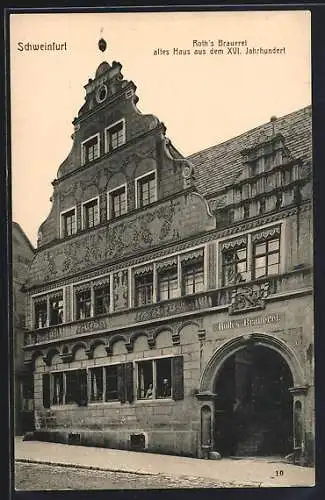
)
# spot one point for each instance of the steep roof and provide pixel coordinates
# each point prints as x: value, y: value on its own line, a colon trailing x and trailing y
x: 218, y: 166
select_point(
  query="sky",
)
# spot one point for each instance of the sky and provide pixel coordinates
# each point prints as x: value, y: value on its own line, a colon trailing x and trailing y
x: 203, y: 99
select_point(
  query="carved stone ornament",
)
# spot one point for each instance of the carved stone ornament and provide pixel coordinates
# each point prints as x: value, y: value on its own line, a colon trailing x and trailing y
x: 266, y: 234
x: 235, y: 243
x: 248, y: 298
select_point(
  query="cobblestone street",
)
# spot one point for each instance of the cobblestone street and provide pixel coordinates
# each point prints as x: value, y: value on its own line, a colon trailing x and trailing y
x: 30, y: 476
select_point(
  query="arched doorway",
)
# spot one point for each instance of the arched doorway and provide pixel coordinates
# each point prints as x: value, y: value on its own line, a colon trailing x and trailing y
x: 253, y: 405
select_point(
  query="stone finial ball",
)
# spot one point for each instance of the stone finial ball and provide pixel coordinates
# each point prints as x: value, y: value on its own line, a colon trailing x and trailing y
x: 102, y: 44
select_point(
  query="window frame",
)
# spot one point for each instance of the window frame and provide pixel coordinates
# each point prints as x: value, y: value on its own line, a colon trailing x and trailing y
x: 83, y: 145
x: 84, y: 218
x: 223, y: 265
x: 141, y: 179
x: 107, y: 144
x: 143, y: 286
x: 110, y: 207
x: 77, y: 308
x: 172, y: 272
x: 153, y: 362
x: 266, y: 255
x: 63, y: 216
x: 190, y: 265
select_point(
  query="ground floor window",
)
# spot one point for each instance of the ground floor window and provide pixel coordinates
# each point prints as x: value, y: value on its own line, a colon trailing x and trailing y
x: 104, y: 383
x: 160, y: 378
x: 156, y: 379
x: 65, y: 387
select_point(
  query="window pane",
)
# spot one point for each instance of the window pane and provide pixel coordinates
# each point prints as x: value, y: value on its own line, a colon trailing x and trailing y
x: 260, y: 249
x: 274, y: 245
x: 273, y: 258
x: 273, y: 269
x: 241, y: 254
x: 163, y: 378
x: 259, y: 273
x: 145, y: 380
x: 111, y: 383
x: 259, y: 262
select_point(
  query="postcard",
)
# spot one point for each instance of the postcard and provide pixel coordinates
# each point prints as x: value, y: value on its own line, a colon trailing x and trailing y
x: 162, y: 240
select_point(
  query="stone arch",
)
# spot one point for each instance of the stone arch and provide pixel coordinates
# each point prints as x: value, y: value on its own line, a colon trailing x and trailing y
x: 163, y: 336
x: 35, y: 356
x: 135, y: 336
x: 52, y: 351
x: 76, y: 347
x: 96, y: 343
x: 115, y: 339
x: 237, y: 343
x: 185, y: 325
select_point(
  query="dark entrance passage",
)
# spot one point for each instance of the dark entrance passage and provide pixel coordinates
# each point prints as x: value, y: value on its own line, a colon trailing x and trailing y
x: 253, y: 409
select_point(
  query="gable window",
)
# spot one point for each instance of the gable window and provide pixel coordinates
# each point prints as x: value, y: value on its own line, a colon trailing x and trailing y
x: 90, y: 214
x: 234, y: 262
x: 143, y: 288
x: 56, y: 310
x: 90, y: 149
x: 168, y: 284
x: 68, y: 223
x: 101, y: 297
x: 115, y: 136
x: 266, y: 259
x: 117, y: 202
x: 83, y: 304
x: 160, y: 378
x: 146, y: 189
x: 40, y: 312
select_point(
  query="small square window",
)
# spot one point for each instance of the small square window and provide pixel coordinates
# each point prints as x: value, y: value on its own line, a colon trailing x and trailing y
x: 146, y: 190
x: 115, y: 136
x: 69, y: 223
x: 90, y: 214
x: 117, y: 202
x: 90, y: 149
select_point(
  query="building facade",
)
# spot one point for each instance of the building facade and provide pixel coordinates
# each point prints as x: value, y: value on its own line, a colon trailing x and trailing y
x: 170, y: 300
x: 22, y: 256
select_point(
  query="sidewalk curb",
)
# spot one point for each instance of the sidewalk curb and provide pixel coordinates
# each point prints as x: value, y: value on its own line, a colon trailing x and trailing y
x: 253, y: 484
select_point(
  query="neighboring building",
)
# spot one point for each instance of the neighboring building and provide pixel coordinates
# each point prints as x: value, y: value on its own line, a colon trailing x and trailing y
x: 22, y: 256
x: 170, y: 300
